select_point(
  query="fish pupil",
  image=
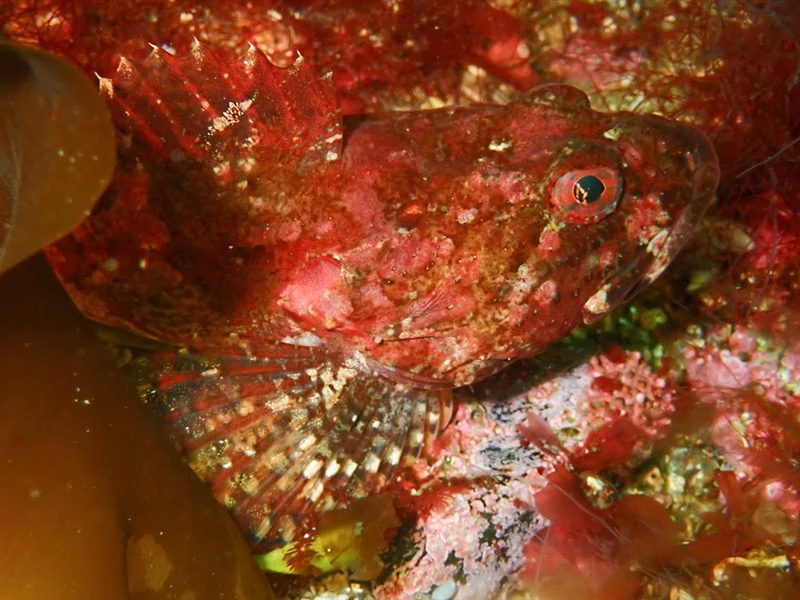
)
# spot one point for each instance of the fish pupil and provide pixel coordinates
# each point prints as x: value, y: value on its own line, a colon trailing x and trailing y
x: 588, y: 189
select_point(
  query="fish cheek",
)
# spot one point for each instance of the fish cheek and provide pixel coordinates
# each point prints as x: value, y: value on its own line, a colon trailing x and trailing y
x: 591, y: 253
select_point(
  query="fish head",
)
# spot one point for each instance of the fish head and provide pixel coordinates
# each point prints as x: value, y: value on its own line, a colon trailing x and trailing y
x: 626, y: 203
x: 568, y: 214
x: 619, y: 195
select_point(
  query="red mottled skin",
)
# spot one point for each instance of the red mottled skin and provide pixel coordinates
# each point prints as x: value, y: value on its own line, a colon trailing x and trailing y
x: 418, y: 241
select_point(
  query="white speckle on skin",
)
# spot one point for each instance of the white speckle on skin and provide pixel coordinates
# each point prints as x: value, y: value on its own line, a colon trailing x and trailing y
x: 499, y: 145
x: 613, y: 134
x: 332, y: 468
x: 598, y: 303
x: 416, y: 438
x: 662, y: 255
x: 246, y: 164
x: 312, y: 468
x: 316, y: 491
x: 231, y: 115
x: 349, y: 467
x: 372, y: 463
x: 306, y: 339
x: 394, y: 455
x: 222, y: 169
x: 307, y: 442
x: 245, y: 408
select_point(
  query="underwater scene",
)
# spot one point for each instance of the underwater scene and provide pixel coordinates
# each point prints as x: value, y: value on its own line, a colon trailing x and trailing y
x: 400, y: 299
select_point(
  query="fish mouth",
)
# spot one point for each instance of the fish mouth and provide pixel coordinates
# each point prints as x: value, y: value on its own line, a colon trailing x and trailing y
x: 655, y: 257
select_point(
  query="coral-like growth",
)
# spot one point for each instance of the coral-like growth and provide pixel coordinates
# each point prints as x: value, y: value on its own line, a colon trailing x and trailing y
x: 752, y: 384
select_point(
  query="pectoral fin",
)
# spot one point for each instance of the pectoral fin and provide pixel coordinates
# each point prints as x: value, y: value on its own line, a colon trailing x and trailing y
x: 284, y: 437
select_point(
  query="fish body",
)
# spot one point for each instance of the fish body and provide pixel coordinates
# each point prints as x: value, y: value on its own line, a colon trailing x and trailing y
x: 436, y: 242
x: 334, y: 278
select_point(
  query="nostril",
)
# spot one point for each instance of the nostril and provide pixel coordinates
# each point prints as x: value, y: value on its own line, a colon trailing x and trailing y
x: 633, y: 155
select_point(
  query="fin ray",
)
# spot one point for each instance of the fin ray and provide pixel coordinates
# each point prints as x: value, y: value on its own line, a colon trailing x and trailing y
x: 211, y: 111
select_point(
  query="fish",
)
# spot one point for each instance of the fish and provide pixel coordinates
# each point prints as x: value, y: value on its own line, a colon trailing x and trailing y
x: 331, y: 279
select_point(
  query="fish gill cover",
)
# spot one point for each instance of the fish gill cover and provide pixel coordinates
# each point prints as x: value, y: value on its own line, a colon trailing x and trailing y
x: 663, y: 466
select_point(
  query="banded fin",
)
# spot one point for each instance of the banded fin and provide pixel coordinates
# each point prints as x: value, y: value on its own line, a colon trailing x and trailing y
x: 283, y: 438
x: 200, y: 107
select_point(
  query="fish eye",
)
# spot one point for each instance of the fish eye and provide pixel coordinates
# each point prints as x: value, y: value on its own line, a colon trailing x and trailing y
x: 588, y: 189
x: 587, y: 195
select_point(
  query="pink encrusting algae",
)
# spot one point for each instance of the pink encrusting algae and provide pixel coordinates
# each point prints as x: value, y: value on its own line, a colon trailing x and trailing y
x: 473, y: 507
x: 753, y: 387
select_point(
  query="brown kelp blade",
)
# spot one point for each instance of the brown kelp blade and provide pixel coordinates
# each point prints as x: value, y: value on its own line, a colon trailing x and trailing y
x: 56, y: 149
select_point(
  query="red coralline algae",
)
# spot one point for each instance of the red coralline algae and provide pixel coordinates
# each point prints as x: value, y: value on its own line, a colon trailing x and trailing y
x: 753, y: 387
x: 475, y: 504
x: 689, y: 60
x: 604, y: 537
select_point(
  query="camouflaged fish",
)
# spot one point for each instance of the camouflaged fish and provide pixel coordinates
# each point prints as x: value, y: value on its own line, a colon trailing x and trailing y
x: 333, y: 279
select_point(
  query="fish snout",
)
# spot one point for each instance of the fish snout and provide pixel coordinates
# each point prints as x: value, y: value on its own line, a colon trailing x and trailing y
x: 680, y: 163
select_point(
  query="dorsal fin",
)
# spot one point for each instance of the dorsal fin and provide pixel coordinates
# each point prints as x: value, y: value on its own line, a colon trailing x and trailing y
x: 284, y: 437
x: 198, y: 106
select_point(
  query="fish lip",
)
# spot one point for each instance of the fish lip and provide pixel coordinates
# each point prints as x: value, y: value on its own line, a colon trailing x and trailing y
x: 653, y: 259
